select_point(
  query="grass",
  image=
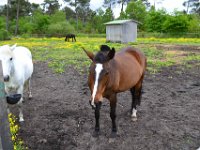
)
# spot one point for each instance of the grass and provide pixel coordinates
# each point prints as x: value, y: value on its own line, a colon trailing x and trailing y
x: 152, y: 40
x: 60, y: 54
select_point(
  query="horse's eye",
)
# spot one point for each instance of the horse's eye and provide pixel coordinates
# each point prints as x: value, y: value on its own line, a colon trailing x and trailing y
x: 11, y: 59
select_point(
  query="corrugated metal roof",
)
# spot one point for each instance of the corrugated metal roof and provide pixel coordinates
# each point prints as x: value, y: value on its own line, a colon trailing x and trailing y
x: 120, y: 22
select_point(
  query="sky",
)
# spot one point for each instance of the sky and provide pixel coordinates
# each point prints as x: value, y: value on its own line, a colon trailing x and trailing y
x: 169, y: 5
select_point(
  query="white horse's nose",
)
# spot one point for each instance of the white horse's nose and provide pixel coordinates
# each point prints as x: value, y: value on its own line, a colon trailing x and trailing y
x: 6, y: 78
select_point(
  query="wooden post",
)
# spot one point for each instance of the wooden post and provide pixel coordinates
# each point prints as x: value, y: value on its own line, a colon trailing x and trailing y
x: 5, y: 136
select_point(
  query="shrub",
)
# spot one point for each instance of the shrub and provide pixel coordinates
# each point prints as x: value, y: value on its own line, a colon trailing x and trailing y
x: 60, y: 28
x: 4, y: 35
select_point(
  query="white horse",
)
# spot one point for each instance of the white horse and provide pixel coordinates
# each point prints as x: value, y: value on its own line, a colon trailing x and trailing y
x: 17, y: 70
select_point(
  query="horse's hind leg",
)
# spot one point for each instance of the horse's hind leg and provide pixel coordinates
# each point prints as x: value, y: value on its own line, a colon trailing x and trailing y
x: 113, y: 102
x: 139, y: 90
x: 29, y: 89
x: 133, y: 105
x: 136, y: 92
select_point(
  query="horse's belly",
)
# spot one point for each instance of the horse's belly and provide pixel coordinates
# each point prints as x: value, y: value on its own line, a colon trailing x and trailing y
x: 128, y: 81
x: 125, y: 87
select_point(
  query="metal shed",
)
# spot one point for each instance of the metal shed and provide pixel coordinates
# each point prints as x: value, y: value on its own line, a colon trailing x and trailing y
x: 122, y: 31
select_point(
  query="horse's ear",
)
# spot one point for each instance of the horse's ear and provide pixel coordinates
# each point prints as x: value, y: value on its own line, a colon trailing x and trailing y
x: 89, y: 54
x: 111, y: 54
x: 13, y: 47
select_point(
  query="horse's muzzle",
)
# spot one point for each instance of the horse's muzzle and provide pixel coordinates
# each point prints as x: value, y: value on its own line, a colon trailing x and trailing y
x: 6, y: 78
x: 13, y: 99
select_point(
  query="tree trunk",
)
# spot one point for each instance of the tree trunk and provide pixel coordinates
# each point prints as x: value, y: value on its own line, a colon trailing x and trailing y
x: 188, y: 3
x: 7, y: 15
x: 17, y: 18
x: 76, y: 15
x: 122, y: 8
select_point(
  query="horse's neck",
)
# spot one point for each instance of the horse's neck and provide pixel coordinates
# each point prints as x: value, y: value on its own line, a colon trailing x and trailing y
x: 113, y: 72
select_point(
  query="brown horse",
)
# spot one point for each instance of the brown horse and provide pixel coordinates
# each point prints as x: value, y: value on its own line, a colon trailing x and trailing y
x: 112, y: 73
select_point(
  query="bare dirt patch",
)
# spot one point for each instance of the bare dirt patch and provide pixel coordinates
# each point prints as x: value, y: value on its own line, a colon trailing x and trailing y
x: 59, y: 116
x: 190, y: 48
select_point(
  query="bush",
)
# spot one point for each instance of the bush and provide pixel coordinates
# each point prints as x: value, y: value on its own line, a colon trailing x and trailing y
x: 4, y: 35
x: 26, y: 35
x: 60, y: 29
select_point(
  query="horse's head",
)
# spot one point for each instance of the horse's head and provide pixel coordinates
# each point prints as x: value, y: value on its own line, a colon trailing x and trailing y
x: 99, y: 72
x: 7, y: 58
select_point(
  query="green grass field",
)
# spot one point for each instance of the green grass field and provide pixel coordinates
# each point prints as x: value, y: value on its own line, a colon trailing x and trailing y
x: 60, y: 54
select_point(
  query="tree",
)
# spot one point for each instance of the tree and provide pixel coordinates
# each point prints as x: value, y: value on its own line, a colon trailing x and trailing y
x: 157, y: 2
x: 137, y: 11
x: 24, y: 8
x: 69, y: 13
x: 84, y: 14
x: 109, y: 3
x: 125, y: 2
x: 77, y: 4
x: 50, y: 6
x: 194, y: 5
x: 108, y: 16
x: 17, y: 17
x: 154, y: 20
x: 40, y: 22
x: 194, y: 23
x: 7, y: 14
x: 178, y: 23
x: 96, y: 22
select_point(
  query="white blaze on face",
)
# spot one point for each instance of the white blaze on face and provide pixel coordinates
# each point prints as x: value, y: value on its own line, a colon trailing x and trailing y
x: 98, y: 69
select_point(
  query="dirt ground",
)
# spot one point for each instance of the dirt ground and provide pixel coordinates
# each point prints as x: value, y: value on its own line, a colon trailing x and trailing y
x: 59, y: 116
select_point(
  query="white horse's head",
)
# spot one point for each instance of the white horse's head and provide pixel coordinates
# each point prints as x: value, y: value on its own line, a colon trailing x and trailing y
x: 7, y: 59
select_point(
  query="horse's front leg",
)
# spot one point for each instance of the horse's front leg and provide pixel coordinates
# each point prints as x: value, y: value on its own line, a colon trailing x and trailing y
x: 113, y: 102
x: 97, y: 116
x: 20, y: 91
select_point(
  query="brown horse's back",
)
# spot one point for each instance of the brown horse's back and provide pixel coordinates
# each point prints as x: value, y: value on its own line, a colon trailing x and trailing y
x: 130, y: 63
x: 139, y: 55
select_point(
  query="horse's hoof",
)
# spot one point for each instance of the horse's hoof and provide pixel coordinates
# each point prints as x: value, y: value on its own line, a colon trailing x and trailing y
x: 30, y: 97
x: 112, y: 137
x: 96, y: 134
x: 134, y: 119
